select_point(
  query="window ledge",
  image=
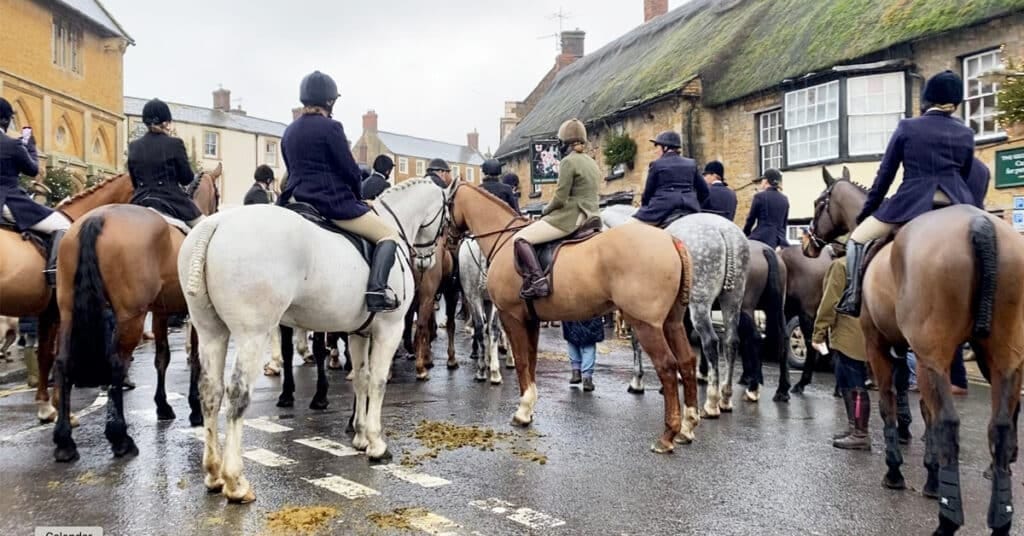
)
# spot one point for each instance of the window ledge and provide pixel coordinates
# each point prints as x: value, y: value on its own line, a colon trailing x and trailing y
x: 989, y: 139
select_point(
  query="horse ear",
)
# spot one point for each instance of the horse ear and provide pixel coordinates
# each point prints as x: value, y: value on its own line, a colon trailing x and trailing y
x: 216, y: 172
x: 829, y: 181
x: 846, y: 174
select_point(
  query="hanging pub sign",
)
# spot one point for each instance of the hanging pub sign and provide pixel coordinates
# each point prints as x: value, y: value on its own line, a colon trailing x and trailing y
x: 1010, y: 168
x: 544, y: 158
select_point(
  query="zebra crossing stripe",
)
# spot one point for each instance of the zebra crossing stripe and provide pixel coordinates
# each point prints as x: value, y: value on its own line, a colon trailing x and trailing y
x: 524, y: 516
x: 408, y: 475
x: 267, y: 458
x: 343, y: 487
x: 331, y: 447
x: 265, y: 425
x: 198, y: 433
x: 432, y: 523
x: 174, y: 396
x: 146, y: 415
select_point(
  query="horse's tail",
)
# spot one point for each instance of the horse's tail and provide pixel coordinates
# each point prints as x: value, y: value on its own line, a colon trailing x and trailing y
x: 88, y: 363
x: 686, y: 279
x: 774, y: 302
x: 986, y: 260
x: 196, y: 283
x: 730, y: 264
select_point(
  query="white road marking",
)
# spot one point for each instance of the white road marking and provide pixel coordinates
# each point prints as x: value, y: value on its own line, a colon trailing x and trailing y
x: 264, y: 425
x: 174, y: 396
x: 331, y: 447
x: 524, y: 516
x: 496, y: 506
x: 432, y: 523
x: 408, y: 475
x: 199, y: 433
x: 101, y: 400
x: 270, y: 459
x: 147, y: 415
x: 345, y: 488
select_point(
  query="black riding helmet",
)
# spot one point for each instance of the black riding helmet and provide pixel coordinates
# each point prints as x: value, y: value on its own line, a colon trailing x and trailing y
x: 6, y: 113
x: 438, y: 164
x: 668, y: 139
x: 318, y: 89
x: 156, y: 112
x: 491, y: 167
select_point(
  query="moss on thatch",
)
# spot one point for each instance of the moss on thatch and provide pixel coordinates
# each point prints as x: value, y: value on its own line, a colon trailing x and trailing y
x: 739, y: 47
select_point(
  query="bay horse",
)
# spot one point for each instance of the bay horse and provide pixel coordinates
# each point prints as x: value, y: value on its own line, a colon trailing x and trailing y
x: 316, y: 280
x: 116, y: 263
x: 766, y: 291
x: 720, y: 258
x: 806, y: 275
x: 432, y: 277
x: 23, y: 285
x: 949, y: 276
x: 640, y: 269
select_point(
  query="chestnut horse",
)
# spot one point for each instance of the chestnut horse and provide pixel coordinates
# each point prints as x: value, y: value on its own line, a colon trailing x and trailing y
x: 430, y: 284
x: 23, y: 285
x: 123, y: 257
x: 640, y: 269
x: 951, y: 275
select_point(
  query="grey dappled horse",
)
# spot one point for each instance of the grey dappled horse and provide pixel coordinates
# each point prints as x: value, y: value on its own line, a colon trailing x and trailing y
x: 488, y: 336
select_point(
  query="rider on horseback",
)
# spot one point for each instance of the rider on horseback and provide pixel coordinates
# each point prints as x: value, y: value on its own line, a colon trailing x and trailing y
x: 491, y: 183
x: 575, y: 201
x: 259, y: 193
x: 721, y: 199
x: 323, y: 173
x: 674, y: 184
x: 18, y: 156
x: 770, y: 211
x: 937, y: 153
x: 158, y: 165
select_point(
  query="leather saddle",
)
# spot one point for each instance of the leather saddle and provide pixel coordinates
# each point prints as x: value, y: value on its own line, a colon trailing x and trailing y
x: 40, y: 240
x: 547, y: 252
x: 872, y: 248
x: 310, y: 213
x: 672, y: 217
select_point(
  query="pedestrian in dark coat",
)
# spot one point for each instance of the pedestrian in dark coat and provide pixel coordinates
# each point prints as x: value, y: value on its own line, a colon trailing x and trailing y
x: 936, y: 151
x: 377, y: 182
x: 721, y: 199
x: 259, y: 193
x: 978, y: 181
x: 512, y: 180
x: 159, y: 167
x: 491, y: 183
x: 673, y: 183
x: 583, y: 338
x: 769, y: 211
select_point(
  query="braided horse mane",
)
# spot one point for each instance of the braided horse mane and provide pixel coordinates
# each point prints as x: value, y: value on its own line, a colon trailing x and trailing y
x: 89, y: 191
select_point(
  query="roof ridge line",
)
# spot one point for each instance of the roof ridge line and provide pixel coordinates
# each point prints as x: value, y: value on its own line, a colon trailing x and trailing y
x: 425, y: 139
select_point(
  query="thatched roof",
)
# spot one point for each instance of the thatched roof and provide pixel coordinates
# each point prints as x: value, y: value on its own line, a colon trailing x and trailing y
x: 738, y: 48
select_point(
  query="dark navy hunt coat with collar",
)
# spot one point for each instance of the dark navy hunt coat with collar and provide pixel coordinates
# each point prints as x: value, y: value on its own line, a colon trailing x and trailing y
x: 15, y: 159
x: 374, y: 185
x: 673, y: 183
x: 770, y: 211
x: 977, y: 183
x: 501, y: 191
x: 159, y: 167
x: 721, y: 200
x: 937, y: 153
x: 321, y: 169
x: 256, y: 195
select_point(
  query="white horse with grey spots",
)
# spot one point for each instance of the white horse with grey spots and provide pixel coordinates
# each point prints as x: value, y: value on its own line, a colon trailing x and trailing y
x: 315, y: 280
x: 488, y: 335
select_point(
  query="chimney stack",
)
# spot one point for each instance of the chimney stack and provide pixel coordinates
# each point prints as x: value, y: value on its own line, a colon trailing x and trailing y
x: 473, y: 140
x: 296, y: 113
x: 222, y: 100
x: 572, y: 44
x: 370, y: 121
x: 654, y: 9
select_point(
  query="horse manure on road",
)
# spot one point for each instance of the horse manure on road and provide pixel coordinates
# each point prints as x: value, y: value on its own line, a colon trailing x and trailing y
x: 89, y: 478
x: 530, y: 455
x: 302, y: 520
x: 552, y: 356
x: 450, y: 436
x: 398, y: 519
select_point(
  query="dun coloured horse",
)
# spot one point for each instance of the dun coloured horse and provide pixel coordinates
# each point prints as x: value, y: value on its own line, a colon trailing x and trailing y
x: 116, y: 263
x: 23, y: 285
x: 318, y: 282
x: 951, y: 275
x: 640, y: 269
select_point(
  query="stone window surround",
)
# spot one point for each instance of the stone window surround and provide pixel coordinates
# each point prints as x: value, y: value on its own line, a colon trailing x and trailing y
x: 969, y: 77
x: 270, y: 153
x: 421, y: 168
x: 66, y: 45
x: 206, y: 144
x: 761, y: 144
x: 403, y: 165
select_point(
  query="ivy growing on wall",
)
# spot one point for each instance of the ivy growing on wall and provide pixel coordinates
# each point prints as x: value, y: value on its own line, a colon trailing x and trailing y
x: 619, y: 149
x: 1011, y: 92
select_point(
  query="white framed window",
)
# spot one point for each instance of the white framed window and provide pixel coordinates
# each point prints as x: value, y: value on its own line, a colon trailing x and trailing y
x: 67, y: 45
x: 211, y: 144
x: 769, y: 138
x: 403, y: 165
x: 421, y: 168
x: 794, y: 233
x: 270, y: 153
x: 470, y: 172
x: 812, y: 123
x: 455, y: 172
x: 874, y: 105
x: 980, y: 97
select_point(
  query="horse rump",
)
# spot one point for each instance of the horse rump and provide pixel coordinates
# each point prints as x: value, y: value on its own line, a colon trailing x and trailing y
x: 88, y: 363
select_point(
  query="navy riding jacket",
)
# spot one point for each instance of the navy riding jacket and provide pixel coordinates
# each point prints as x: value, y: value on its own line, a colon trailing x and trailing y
x: 977, y: 183
x: 16, y: 159
x: 937, y: 152
x: 721, y: 200
x: 501, y: 191
x: 770, y: 211
x: 321, y: 169
x: 673, y: 183
x: 159, y: 167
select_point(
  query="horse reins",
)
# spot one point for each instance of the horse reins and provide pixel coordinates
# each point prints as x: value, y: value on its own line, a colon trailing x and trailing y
x: 818, y: 241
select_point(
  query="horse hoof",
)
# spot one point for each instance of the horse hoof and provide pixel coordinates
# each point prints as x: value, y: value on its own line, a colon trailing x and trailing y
x: 453, y: 366
x: 517, y: 421
x: 165, y: 414
x: 510, y: 367
x: 683, y: 439
x: 429, y: 365
x: 894, y: 482
x: 713, y: 414
x: 930, y: 493
x: 496, y: 382
x: 249, y: 497
x: 633, y: 390
x: 781, y: 396
x: 422, y: 377
x: 283, y: 402
x: 195, y: 419
x: 382, y: 459
x: 725, y: 407
x: 45, y: 412
x: 270, y: 371
x: 659, y: 447
x: 216, y: 488
x: 126, y: 448
x: 752, y: 396
x: 798, y: 389
x: 319, y: 404
x: 480, y: 379
x: 65, y: 455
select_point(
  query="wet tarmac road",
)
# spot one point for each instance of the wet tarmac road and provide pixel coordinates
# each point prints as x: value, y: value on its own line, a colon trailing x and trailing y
x: 765, y: 469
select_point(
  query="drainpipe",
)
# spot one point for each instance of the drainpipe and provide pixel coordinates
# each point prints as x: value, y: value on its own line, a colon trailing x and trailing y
x: 689, y: 127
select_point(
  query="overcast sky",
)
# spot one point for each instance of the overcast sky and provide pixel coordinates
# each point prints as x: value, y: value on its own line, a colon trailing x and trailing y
x: 435, y: 69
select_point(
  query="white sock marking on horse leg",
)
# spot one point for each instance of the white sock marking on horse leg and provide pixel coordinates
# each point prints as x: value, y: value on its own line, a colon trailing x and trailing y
x: 526, y: 403
x: 343, y: 487
x: 331, y: 447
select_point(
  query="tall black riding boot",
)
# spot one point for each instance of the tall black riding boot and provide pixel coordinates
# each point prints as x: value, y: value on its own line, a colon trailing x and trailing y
x: 51, y: 260
x: 379, y: 298
x: 859, y: 439
x: 535, y: 284
x: 849, y: 304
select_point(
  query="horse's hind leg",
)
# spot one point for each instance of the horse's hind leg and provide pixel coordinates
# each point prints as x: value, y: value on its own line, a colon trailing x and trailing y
x: 287, y: 397
x: 66, y: 450
x: 128, y: 333
x: 714, y: 403
x: 360, y: 355
x: 481, y: 348
x: 451, y: 302
x: 881, y: 366
x: 251, y: 348
x: 423, y: 336
x: 730, y: 302
x: 46, y: 355
x: 653, y: 341
x: 320, y: 355
x: 382, y: 352
x: 937, y: 393
x: 523, y: 335
x: 1003, y: 445
x: 164, y: 412
x: 492, y: 337
x: 195, y: 416
x: 675, y: 334
x: 636, y: 383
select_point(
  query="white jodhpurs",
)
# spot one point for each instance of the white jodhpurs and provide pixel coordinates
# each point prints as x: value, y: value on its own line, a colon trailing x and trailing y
x: 50, y: 224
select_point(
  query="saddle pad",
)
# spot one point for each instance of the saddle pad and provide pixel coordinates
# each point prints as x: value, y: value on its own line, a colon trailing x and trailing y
x: 307, y: 211
x: 40, y: 240
x: 173, y: 222
x: 672, y: 217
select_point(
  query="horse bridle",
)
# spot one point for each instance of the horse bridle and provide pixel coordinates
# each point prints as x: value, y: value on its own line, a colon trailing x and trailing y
x: 507, y: 228
x: 826, y: 198
x: 415, y: 248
